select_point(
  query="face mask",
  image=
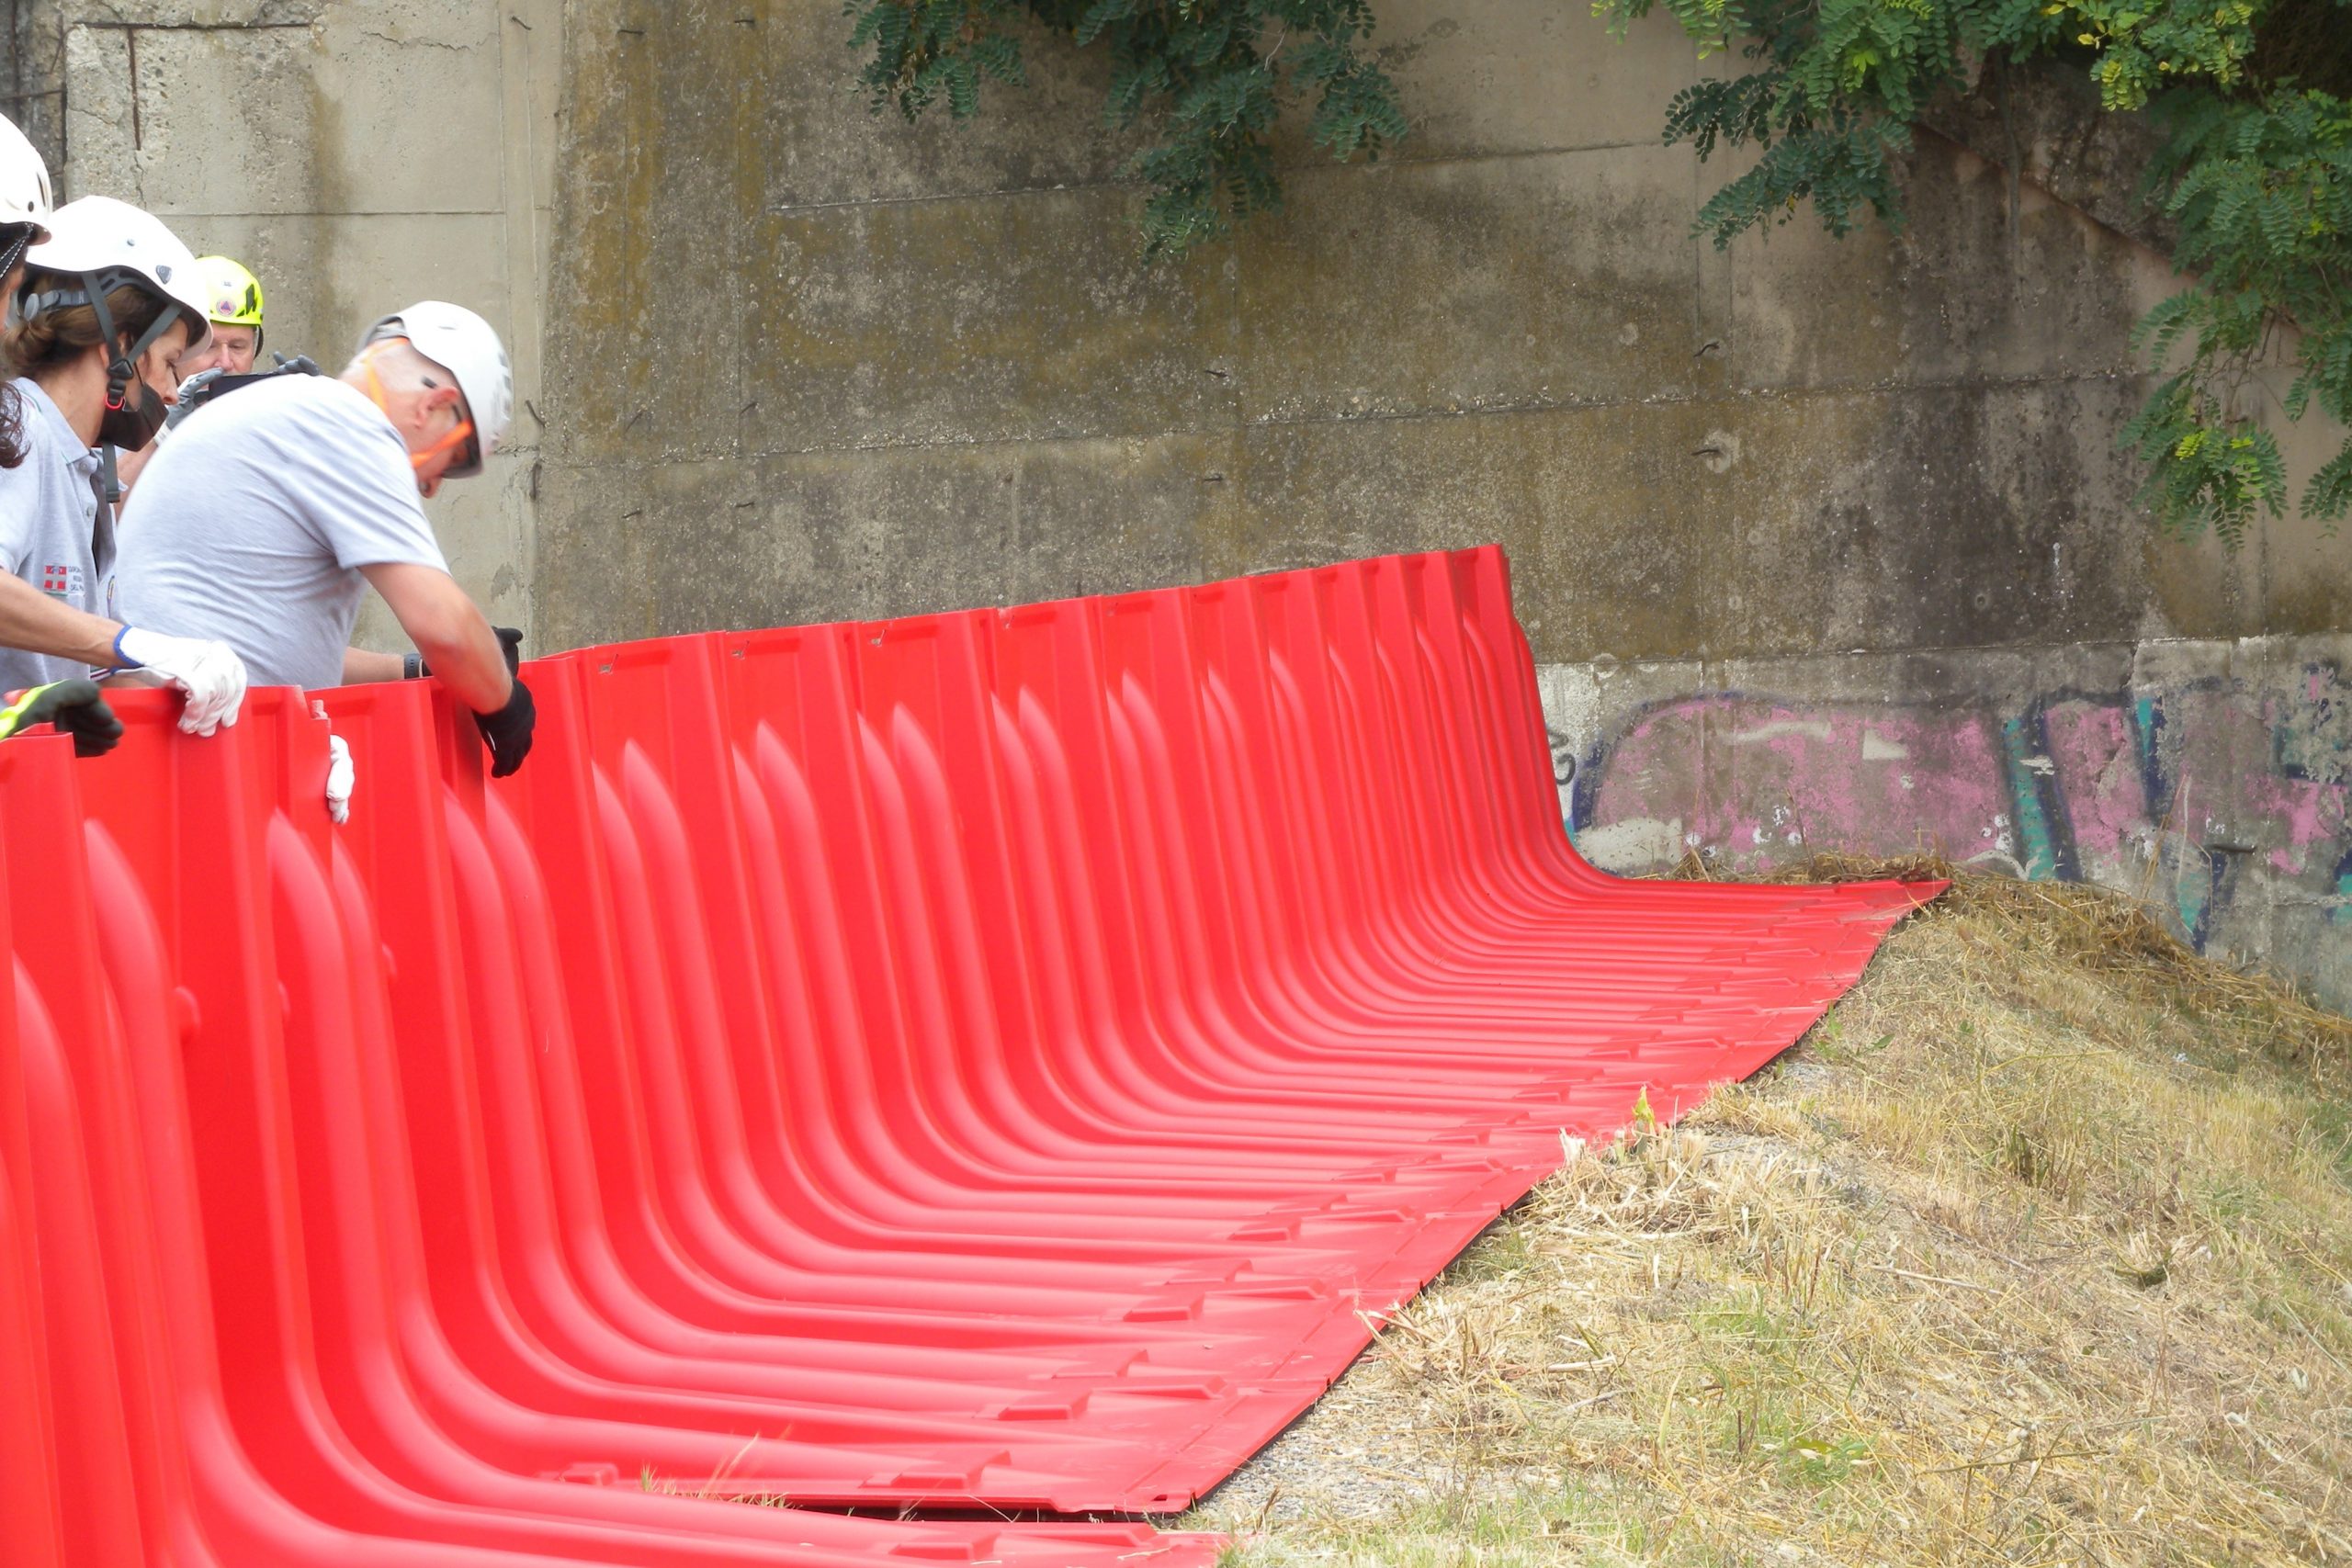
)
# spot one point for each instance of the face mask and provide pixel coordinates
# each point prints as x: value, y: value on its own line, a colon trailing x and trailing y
x: 134, y: 410
x: 132, y: 424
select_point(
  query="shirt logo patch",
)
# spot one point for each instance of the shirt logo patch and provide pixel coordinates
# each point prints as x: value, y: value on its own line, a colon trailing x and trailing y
x: 56, y: 579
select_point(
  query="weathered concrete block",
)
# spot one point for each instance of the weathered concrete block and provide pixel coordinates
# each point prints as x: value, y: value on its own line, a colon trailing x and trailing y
x: 1108, y: 516
x: 2305, y: 588
x: 1011, y: 318
x: 584, y: 589
x: 1483, y: 76
x: 665, y: 248
x: 1477, y: 76
x: 1962, y: 293
x: 2197, y: 587
x: 1939, y: 518
x: 197, y: 13
x: 449, y: 24
x: 916, y: 530
x: 1616, y: 535
x: 387, y: 110
x: 2044, y: 119
x: 643, y: 376
x: 101, y: 157
x: 206, y: 136
x: 824, y: 146
x: 1493, y: 283
x: 380, y: 262
x: 832, y: 535
x: 408, y: 109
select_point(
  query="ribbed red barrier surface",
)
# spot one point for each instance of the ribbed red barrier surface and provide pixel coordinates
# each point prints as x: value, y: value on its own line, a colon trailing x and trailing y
x: 992, y: 1060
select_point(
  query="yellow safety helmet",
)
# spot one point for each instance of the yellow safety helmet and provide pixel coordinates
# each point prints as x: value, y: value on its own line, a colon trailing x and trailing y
x: 232, y: 294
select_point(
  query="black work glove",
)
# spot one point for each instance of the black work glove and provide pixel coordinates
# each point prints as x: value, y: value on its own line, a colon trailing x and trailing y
x: 510, y: 643
x: 76, y: 707
x: 507, y: 732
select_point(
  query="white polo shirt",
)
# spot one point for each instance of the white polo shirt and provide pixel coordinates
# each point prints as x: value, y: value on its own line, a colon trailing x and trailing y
x: 53, y: 533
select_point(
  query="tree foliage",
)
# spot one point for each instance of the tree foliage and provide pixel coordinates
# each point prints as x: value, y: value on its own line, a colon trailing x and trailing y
x: 1215, y: 74
x: 2255, y: 173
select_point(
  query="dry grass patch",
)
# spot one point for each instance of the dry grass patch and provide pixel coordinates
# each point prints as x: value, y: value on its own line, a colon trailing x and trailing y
x: 2039, y: 1251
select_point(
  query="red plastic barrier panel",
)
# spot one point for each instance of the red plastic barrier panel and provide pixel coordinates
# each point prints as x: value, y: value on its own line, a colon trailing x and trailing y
x: 231, y: 1288
x: 29, y: 1450
x: 1000, y: 1060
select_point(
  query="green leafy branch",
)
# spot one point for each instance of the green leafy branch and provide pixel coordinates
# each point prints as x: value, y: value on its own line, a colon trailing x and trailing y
x: 2256, y: 173
x: 2263, y: 195
x: 1213, y: 76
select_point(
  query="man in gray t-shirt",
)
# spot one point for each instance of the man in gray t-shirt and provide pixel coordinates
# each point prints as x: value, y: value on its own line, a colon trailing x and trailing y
x: 277, y: 505
x: 260, y: 520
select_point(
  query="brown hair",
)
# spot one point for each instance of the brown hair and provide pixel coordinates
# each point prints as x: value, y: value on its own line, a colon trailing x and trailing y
x: 57, y: 337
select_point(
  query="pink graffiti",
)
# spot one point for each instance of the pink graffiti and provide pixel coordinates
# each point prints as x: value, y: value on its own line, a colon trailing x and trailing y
x: 2097, y: 763
x: 1757, y: 778
x: 2258, y: 800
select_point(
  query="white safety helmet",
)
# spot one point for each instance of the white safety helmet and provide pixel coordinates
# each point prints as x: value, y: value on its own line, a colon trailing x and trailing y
x: 454, y: 337
x: 105, y: 243
x: 23, y: 182
x: 24, y: 196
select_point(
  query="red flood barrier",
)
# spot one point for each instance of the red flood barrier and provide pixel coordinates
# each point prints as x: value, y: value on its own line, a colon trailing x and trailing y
x: 991, y: 1061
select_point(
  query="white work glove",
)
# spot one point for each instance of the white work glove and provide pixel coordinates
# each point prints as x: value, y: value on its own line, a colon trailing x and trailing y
x: 340, y: 778
x: 209, y: 673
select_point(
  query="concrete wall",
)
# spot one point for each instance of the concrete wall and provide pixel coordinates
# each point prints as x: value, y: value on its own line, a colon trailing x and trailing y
x: 894, y: 368
x: 1778, y: 514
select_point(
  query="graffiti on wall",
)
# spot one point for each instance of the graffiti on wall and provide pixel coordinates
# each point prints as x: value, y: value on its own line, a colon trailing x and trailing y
x: 2190, y: 794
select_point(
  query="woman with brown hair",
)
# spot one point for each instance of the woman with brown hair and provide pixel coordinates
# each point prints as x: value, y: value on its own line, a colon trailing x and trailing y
x: 109, y: 307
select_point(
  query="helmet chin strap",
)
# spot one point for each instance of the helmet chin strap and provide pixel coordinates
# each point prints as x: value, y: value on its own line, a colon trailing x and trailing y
x: 122, y: 364
x: 19, y: 237
x: 120, y: 367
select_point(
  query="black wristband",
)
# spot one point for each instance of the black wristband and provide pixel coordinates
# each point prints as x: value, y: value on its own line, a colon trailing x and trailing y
x: 413, y: 667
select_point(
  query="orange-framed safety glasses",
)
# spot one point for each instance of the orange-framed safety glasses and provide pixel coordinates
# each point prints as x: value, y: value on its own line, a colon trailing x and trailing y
x: 461, y: 433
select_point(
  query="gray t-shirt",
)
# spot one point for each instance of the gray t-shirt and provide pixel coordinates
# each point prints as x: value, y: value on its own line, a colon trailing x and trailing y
x: 51, y: 533
x: 253, y: 524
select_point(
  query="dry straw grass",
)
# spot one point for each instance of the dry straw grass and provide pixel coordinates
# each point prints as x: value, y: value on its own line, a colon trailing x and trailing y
x: 2039, y: 1251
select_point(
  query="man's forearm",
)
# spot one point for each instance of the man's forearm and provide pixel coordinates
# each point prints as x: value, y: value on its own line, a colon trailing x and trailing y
x: 35, y: 623
x: 471, y: 665
x: 361, y: 666
x: 449, y: 630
